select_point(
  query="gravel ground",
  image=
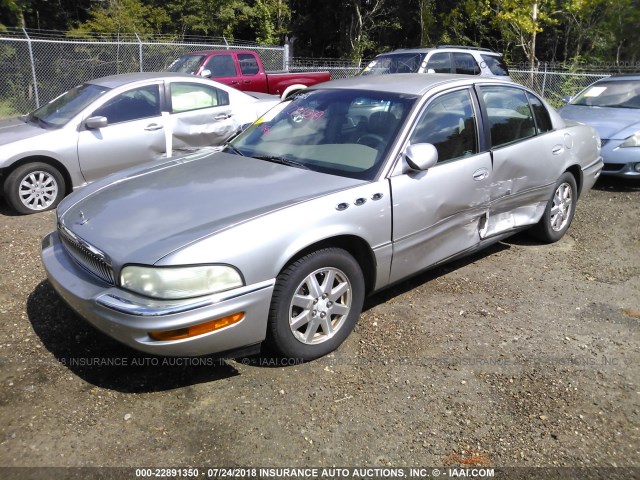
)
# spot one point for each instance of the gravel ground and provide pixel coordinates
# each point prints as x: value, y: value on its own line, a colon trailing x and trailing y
x: 523, y: 355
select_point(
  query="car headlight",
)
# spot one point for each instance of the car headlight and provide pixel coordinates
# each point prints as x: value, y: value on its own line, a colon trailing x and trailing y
x: 171, y: 283
x: 632, y: 141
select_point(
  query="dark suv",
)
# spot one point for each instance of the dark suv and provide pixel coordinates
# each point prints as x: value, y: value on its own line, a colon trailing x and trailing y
x: 440, y: 59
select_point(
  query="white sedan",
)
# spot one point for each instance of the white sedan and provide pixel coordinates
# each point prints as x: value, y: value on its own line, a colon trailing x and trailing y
x: 111, y: 123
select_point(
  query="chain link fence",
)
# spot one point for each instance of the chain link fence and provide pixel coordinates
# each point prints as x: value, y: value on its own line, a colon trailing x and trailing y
x: 553, y: 85
x: 37, y: 66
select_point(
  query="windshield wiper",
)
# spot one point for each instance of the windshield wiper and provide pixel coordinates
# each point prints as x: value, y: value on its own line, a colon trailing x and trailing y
x: 38, y: 121
x: 228, y: 146
x: 281, y: 160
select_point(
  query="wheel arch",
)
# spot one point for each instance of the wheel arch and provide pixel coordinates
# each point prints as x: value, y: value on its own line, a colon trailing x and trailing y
x: 576, y: 171
x: 356, y: 246
x: 49, y: 161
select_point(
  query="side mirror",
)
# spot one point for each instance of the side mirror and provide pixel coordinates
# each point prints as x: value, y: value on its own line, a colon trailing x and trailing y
x: 94, y: 123
x: 205, y: 73
x: 421, y: 156
x: 431, y: 70
x: 566, y: 99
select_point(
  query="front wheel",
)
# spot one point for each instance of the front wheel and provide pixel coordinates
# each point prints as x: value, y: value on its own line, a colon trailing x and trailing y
x: 34, y: 187
x: 316, y: 303
x: 559, y: 212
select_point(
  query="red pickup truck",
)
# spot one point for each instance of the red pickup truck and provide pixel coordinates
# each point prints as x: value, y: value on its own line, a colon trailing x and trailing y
x: 243, y: 70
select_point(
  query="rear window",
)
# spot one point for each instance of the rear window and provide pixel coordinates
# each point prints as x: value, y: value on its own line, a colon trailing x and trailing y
x: 465, y: 64
x: 496, y: 65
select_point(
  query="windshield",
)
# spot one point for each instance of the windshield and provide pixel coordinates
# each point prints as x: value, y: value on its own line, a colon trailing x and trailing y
x: 615, y: 94
x: 186, y: 64
x: 59, y: 111
x: 394, y: 63
x: 341, y: 132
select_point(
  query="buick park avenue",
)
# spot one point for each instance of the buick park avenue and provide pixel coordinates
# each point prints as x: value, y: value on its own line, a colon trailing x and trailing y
x: 345, y: 189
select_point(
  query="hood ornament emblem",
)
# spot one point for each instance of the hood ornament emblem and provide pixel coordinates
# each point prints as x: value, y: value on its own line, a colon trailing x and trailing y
x: 83, y: 219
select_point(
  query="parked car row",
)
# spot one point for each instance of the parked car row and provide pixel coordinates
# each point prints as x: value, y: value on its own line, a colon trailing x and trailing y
x: 111, y: 123
x: 343, y: 190
x: 350, y: 185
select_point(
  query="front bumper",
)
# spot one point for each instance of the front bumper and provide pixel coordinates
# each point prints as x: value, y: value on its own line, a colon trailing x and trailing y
x: 590, y: 174
x: 129, y: 318
x: 620, y: 162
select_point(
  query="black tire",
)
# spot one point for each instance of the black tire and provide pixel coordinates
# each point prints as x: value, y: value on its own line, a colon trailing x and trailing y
x: 325, y: 320
x: 34, y: 187
x: 560, y: 209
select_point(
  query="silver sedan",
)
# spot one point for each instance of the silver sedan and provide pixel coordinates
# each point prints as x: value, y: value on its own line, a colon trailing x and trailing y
x: 111, y: 123
x: 349, y: 187
x: 612, y: 107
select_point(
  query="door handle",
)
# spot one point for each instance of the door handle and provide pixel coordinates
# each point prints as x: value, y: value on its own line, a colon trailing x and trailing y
x: 234, y: 82
x: 222, y: 116
x: 480, y: 174
x: 152, y: 127
x: 557, y: 150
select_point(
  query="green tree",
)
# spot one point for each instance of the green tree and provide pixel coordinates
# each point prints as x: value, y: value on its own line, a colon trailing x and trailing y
x: 209, y: 17
x: 124, y: 16
x: 11, y: 13
x: 270, y: 21
x: 520, y: 21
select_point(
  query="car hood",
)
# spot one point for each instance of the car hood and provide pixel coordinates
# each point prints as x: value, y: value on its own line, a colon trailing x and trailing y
x: 609, y: 122
x: 141, y: 215
x: 14, y: 129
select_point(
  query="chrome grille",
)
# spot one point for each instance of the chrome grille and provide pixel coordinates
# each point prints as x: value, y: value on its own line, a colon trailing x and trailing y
x: 87, y: 256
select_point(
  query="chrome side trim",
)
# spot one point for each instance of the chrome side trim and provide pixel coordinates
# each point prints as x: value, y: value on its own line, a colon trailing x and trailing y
x: 131, y: 304
x: 593, y: 164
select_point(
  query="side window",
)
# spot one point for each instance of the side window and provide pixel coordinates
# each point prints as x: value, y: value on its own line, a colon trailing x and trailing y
x: 221, y: 66
x: 248, y: 64
x: 134, y: 104
x: 449, y: 123
x: 495, y: 64
x: 510, y: 117
x: 465, y: 64
x: 440, y: 63
x: 541, y: 114
x: 193, y: 96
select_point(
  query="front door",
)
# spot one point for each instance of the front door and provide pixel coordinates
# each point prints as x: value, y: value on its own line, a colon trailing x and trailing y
x: 438, y: 213
x: 134, y: 133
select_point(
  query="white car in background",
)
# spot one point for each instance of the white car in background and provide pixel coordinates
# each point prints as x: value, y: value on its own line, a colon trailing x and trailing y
x: 115, y: 122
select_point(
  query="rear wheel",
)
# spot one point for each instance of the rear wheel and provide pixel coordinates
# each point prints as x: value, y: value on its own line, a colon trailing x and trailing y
x: 560, y: 209
x: 316, y: 303
x: 34, y: 187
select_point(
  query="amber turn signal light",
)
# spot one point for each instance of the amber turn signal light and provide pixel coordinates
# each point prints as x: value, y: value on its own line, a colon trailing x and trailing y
x: 198, y: 329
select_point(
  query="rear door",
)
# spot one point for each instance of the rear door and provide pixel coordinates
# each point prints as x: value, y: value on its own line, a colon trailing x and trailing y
x: 200, y: 115
x: 438, y: 213
x: 253, y: 77
x: 527, y: 157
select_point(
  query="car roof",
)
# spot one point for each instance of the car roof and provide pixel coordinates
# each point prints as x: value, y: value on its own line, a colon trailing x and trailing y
x: 207, y: 52
x: 406, y: 83
x: 114, y: 81
x: 457, y: 48
x: 622, y: 77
